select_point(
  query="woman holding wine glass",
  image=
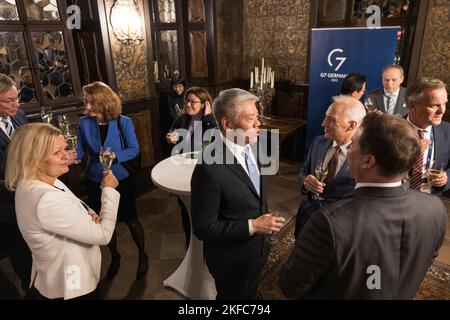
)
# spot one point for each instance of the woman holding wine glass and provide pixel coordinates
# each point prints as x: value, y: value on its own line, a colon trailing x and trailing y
x: 62, y: 232
x: 98, y: 132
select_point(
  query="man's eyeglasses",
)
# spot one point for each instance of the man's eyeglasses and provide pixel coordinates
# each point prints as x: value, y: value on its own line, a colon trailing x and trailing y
x: 11, y: 100
x: 192, y: 101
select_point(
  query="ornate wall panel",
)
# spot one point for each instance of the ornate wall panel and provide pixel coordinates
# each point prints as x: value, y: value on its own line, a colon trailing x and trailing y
x: 278, y: 31
x: 199, y: 66
x: 130, y: 62
x: 229, y: 39
x: 435, y: 61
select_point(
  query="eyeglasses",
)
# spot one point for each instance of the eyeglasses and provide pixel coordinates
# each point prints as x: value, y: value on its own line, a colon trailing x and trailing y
x: 192, y: 101
x: 11, y: 100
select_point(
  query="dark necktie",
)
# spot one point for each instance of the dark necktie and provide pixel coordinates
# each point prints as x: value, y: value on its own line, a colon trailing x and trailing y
x: 9, y: 129
x: 416, y: 172
x: 332, y: 166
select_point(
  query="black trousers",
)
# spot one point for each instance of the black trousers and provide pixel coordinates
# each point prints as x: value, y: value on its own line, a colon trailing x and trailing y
x: 13, y: 245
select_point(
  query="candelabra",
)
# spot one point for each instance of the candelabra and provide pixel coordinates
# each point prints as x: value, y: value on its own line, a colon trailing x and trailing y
x: 263, y: 88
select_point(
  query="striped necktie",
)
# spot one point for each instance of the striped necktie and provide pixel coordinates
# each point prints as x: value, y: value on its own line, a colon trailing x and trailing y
x: 416, y: 172
x: 9, y: 129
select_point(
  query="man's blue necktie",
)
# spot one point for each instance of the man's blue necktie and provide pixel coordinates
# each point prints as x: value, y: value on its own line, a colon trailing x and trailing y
x: 9, y: 129
x: 252, y: 169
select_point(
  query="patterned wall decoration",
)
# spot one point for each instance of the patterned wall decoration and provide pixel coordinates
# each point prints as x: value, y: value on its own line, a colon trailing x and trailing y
x: 229, y: 39
x: 130, y: 62
x: 435, y: 60
x: 278, y: 31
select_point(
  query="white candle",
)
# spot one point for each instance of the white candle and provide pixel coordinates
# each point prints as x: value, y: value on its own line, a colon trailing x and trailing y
x: 272, y: 80
x: 251, y: 80
x: 256, y: 75
x: 262, y: 64
x: 263, y: 77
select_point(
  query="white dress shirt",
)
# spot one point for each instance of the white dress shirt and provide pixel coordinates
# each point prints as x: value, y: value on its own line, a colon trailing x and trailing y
x: 378, y: 185
x: 341, y: 159
x: 394, y: 96
x: 426, y: 135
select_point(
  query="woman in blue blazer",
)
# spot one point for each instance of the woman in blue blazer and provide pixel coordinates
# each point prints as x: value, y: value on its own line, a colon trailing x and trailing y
x: 100, y: 128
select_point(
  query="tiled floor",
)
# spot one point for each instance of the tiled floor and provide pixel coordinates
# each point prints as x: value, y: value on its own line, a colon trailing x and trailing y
x: 160, y: 216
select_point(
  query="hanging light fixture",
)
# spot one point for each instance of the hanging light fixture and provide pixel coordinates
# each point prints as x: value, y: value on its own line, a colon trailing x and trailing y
x: 126, y: 22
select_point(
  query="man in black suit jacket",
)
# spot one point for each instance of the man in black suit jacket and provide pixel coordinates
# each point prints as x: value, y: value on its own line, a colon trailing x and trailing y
x: 379, y: 241
x: 342, y: 119
x: 426, y: 101
x: 228, y: 200
x: 391, y: 97
x: 11, y: 241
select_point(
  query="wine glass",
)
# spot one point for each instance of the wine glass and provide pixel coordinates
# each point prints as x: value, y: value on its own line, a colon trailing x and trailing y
x: 72, y: 140
x: 46, y: 114
x: 272, y: 239
x: 106, y: 157
x: 368, y: 104
x: 63, y: 124
x: 433, y: 172
x: 320, y: 173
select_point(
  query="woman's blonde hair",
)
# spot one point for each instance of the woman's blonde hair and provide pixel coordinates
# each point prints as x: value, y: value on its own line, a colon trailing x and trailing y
x: 201, y: 93
x: 105, y: 99
x: 30, y: 145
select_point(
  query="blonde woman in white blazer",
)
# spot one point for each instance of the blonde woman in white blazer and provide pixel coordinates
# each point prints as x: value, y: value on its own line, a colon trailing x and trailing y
x: 62, y: 232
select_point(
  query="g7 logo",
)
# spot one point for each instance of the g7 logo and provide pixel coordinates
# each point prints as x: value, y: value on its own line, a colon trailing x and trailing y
x: 340, y: 59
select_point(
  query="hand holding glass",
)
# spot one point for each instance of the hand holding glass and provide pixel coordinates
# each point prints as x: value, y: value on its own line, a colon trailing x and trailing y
x: 368, y: 104
x: 272, y: 239
x: 320, y: 173
x: 433, y: 172
x: 106, y: 157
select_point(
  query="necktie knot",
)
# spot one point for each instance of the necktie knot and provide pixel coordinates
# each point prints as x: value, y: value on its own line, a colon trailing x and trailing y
x: 421, y: 133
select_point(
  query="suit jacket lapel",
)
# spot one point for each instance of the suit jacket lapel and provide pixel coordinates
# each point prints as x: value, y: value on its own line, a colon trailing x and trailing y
x: 439, y: 142
x: 236, y: 167
x: 323, y: 148
x: 379, y: 100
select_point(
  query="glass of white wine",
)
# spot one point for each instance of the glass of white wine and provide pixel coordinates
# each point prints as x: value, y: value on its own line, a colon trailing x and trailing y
x: 433, y: 172
x: 106, y: 157
x: 272, y: 239
x: 72, y: 140
x: 46, y: 114
x: 368, y: 104
x: 320, y: 173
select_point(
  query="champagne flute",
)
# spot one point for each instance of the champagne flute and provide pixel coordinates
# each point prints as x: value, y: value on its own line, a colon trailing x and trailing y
x: 433, y: 172
x: 272, y: 239
x: 46, y: 114
x: 320, y: 173
x: 368, y: 104
x: 106, y: 157
x: 72, y: 140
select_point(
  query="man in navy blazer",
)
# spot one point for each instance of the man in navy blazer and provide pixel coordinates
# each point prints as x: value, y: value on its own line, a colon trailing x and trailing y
x: 228, y: 200
x: 342, y: 119
x: 426, y: 101
x: 11, y: 241
x: 390, y: 98
x: 379, y: 240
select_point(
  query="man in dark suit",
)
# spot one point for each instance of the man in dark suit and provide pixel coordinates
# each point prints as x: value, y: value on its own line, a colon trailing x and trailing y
x: 11, y: 241
x: 379, y: 241
x: 426, y: 101
x: 228, y: 200
x: 391, y: 97
x: 342, y: 119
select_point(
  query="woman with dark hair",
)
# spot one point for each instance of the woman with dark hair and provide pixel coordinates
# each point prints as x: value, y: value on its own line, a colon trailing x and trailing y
x: 100, y: 128
x: 354, y: 85
x: 196, y: 111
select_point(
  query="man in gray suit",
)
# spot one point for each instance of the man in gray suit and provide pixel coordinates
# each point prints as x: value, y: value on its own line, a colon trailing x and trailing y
x: 379, y: 241
x: 342, y: 119
x: 391, y: 97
